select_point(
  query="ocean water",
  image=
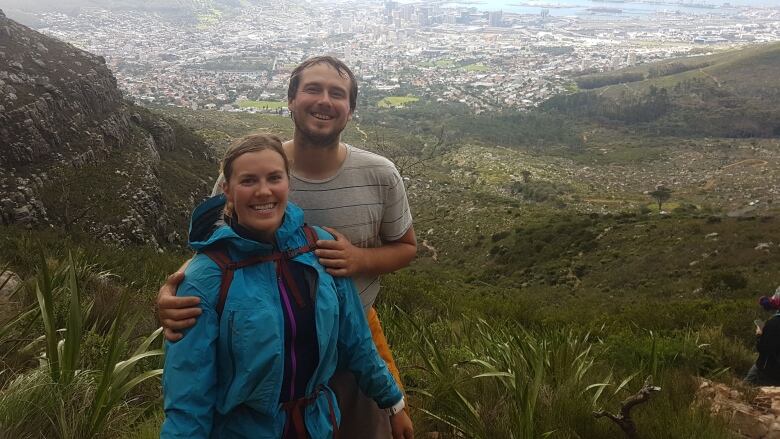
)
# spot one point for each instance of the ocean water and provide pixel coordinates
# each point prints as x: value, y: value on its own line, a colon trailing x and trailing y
x: 628, y: 8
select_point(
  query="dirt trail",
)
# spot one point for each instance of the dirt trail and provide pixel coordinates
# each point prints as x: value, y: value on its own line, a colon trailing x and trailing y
x: 712, y: 182
x: 363, y: 133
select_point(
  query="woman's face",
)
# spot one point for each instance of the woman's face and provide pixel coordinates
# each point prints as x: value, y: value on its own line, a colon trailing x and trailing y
x: 258, y: 189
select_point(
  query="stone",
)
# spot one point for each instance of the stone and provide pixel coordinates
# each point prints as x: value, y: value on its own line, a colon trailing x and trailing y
x: 745, y: 423
x: 9, y: 282
x: 23, y: 215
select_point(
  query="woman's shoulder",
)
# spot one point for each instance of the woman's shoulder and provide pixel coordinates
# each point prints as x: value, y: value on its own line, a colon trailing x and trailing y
x: 321, y: 233
x: 202, y: 278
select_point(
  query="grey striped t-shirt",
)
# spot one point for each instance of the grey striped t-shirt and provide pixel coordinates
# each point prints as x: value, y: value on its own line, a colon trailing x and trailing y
x: 365, y: 200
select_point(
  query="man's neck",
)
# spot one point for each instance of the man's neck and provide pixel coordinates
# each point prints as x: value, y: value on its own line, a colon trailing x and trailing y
x: 315, y: 161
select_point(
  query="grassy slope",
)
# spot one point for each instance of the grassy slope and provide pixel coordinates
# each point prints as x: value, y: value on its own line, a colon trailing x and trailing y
x: 734, y: 95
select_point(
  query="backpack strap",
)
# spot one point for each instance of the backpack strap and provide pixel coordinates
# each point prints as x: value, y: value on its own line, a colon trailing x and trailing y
x: 311, y: 243
x: 220, y: 256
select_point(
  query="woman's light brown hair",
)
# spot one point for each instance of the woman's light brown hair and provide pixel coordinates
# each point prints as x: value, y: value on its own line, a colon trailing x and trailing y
x: 252, y: 143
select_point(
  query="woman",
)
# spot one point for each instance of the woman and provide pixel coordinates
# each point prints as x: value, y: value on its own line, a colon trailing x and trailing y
x: 257, y: 362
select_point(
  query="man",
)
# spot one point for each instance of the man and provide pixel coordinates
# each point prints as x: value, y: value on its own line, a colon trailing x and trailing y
x: 360, y: 198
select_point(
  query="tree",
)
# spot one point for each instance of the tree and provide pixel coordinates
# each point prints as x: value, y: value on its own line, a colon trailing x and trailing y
x: 661, y: 194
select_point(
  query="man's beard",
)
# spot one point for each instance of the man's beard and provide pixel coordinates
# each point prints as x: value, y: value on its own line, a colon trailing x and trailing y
x: 316, y: 139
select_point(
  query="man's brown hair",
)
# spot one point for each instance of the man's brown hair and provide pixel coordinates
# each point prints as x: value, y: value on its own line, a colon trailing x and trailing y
x: 338, y: 65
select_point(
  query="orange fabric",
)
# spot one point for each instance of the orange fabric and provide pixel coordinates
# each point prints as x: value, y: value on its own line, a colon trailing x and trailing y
x: 378, y: 335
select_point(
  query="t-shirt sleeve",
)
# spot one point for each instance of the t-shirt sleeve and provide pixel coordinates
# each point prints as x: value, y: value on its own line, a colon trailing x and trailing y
x: 396, y: 216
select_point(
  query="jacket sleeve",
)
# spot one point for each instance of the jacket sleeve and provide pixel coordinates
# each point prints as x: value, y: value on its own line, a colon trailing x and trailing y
x: 190, y: 372
x: 768, y: 342
x: 357, y: 350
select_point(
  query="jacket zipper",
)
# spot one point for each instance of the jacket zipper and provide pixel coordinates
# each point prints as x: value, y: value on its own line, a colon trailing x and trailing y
x: 231, y: 354
x: 293, y: 334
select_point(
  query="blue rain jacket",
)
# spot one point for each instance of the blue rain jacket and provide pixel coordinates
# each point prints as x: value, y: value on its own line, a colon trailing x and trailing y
x: 223, y: 378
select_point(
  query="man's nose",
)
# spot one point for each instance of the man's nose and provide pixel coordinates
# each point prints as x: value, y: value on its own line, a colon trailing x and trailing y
x: 326, y: 98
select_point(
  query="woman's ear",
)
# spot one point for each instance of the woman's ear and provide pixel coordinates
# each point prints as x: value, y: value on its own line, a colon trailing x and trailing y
x: 225, y: 189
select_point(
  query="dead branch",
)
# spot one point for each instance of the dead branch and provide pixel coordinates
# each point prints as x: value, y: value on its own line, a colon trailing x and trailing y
x: 623, y: 419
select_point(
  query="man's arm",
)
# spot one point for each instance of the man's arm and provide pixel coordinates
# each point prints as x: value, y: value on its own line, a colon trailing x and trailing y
x: 341, y: 258
x: 176, y: 313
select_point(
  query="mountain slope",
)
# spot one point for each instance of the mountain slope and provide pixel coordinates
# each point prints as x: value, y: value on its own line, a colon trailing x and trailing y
x: 731, y: 94
x: 75, y: 154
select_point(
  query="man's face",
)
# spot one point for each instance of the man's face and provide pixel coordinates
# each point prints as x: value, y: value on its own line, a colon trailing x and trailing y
x: 320, y: 107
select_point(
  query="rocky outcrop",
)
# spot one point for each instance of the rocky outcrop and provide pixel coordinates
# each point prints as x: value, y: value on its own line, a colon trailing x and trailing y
x: 56, y: 101
x: 9, y: 283
x: 74, y: 155
x: 59, y: 106
x: 757, y: 417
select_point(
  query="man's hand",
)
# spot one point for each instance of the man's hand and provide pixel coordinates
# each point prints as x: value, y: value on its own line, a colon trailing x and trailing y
x: 339, y: 256
x: 176, y: 313
x: 402, y: 427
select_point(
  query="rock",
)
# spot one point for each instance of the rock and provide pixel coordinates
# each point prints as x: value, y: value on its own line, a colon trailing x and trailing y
x: 763, y: 246
x: 22, y: 215
x: 747, y: 423
x: 754, y: 418
x: 163, y: 135
x: 9, y: 282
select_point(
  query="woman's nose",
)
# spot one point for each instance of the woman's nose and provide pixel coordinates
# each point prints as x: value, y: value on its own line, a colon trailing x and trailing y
x: 262, y: 189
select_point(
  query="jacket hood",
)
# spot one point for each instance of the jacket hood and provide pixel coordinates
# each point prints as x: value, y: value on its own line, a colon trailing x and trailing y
x: 207, y: 227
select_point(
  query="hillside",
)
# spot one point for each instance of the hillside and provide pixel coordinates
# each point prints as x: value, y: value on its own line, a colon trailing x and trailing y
x: 731, y: 94
x: 74, y: 154
x: 548, y: 282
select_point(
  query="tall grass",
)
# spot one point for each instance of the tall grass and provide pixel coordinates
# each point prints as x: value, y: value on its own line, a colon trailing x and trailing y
x: 470, y: 378
x: 67, y: 396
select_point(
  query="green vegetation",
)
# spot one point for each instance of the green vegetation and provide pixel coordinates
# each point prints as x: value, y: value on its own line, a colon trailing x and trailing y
x: 80, y: 388
x: 263, y: 105
x: 396, y: 101
x: 547, y: 283
x: 475, y: 67
x: 208, y: 18
x: 723, y: 95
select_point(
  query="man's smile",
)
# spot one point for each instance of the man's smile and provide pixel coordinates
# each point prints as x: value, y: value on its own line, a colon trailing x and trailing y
x: 322, y: 116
